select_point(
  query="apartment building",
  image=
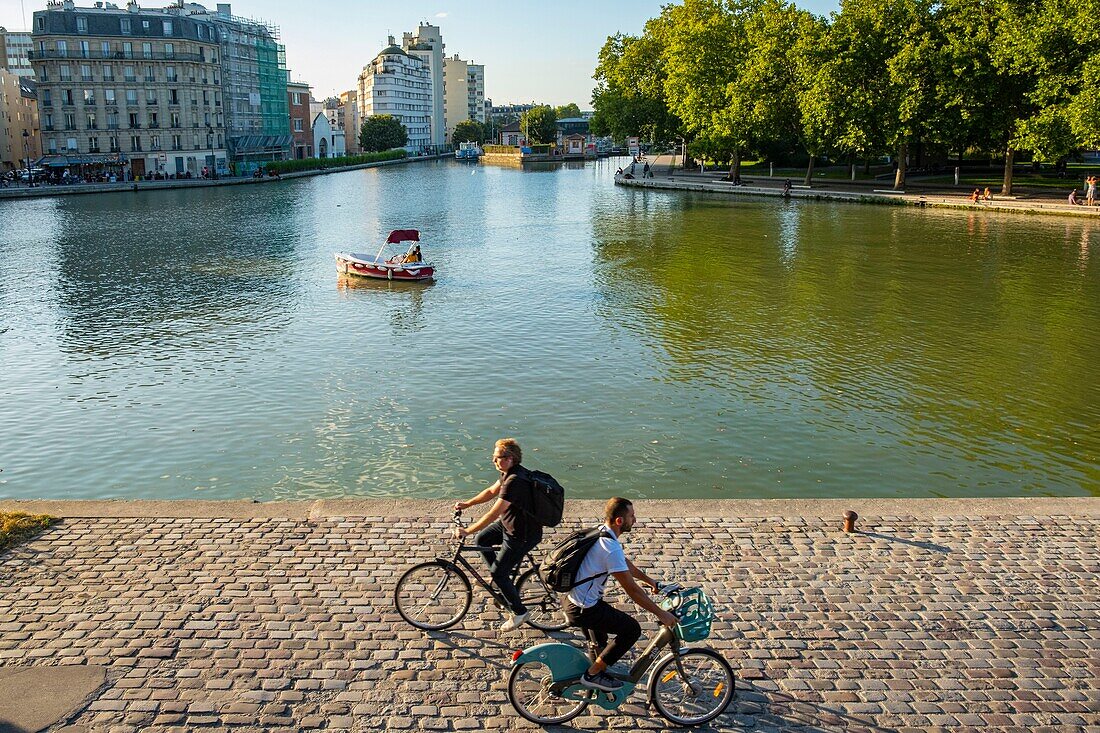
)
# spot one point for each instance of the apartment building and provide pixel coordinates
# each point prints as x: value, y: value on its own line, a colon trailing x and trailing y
x: 298, y: 97
x: 396, y: 83
x: 15, y: 50
x: 426, y: 44
x: 129, y: 89
x: 349, y: 103
x: 463, y: 93
x: 19, y: 133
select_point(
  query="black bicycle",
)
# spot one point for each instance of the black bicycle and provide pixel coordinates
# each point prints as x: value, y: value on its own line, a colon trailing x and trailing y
x: 437, y: 594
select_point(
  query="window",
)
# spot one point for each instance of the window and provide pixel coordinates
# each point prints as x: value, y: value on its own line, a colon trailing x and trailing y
x: 62, y: 49
x: 145, y: 25
x: 205, y: 97
x: 147, y: 50
x: 128, y: 73
x: 92, y: 122
x: 47, y: 121
x: 297, y: 98
x: 112, y: 120
x: 156, y: 143
x: 154, y: 121
x: 124, y: 26
x: 169, y: 50
x: 135, y: 142
x: 173, y: 96
x: 131, y: 96
x: 71, y: 143
x: 67, y: 97
x: 108, y: 73
x: 177, y: 142
x: 89, y: 96
x: 42, y: 27
x: 66, y: 72
x: 167, y: 27
x: 150, y: 96
x: 175, y: 119
x: 297, y: 125
x: 85, y: 50
x: 93, y: 145
x: 149, y: 73
x: 170, y: 74
x: 105, y: 49
x: 128, y: 50
x: 134, y: 124
x: 114, y: 145
x: 47, y: 98
x: 85, y: 72
x: 109, y: 96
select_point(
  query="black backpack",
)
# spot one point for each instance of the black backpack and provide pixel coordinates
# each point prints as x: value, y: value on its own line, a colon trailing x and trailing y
x: 559, y: 567
x: 547, y: 499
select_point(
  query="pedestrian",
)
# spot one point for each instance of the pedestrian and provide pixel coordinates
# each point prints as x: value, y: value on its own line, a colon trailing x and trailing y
x: 645, y: 171
x: 1090, y: 192
x: 508, y: 523
x: 975, y: 195
x: 1073, y: 198
x: 787, y: 188
x: 987, y: 196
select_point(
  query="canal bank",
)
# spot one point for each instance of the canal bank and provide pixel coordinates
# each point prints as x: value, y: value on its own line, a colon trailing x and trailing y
x: 666, y: 177
x: 934, y: 615
x: 41, y: 191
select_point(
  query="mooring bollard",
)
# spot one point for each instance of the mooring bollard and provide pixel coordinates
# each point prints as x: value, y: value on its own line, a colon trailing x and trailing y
x: 850, y: 518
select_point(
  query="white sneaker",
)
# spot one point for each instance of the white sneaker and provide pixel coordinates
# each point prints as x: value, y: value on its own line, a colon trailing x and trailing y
x: 514, y: 623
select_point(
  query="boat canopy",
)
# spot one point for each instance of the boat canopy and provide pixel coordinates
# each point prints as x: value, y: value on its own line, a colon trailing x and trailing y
x: 403, y: 235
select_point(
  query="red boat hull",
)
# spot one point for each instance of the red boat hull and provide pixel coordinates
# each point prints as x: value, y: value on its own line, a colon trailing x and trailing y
x: 412, y: 272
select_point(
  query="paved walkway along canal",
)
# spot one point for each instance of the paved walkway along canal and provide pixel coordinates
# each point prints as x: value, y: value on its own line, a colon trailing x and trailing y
x: 952, y: 615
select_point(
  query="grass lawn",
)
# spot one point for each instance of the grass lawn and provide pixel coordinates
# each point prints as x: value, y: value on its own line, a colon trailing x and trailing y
x: 16, y: 527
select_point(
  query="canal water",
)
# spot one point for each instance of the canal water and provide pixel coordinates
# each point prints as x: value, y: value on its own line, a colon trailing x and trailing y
x: 198, y: 344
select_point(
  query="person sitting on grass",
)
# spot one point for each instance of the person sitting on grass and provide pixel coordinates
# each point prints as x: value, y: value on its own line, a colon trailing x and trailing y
x: 1073, y: 198
x: 975, y: 195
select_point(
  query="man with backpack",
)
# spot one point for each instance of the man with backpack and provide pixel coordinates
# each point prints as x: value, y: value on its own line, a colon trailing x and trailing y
x: 515, y: 520
x: 585, y: 606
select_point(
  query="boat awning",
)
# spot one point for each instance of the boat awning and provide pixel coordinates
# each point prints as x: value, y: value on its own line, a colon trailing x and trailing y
x: 64, y: 161
x: 403, y: 235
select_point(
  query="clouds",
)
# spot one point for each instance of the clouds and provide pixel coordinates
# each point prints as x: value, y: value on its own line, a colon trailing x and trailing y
x: 441, y: 15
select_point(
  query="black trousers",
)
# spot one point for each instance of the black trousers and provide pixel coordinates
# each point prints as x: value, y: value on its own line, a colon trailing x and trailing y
x: 503, y: 563
x: 603, y: 619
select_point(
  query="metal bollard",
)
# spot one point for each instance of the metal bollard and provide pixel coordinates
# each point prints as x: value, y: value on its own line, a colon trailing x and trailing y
x: 850, y: 518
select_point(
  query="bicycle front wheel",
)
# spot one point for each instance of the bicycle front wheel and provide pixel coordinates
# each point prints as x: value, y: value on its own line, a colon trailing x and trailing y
x: 543, y: 604
x: 433, y: 595
x: 700, y: 698
x: 530, y: 694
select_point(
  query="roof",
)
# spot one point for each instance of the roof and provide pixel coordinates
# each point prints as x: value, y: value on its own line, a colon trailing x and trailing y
x: 512, y: 127
x: 391, y: 50
x: 573, y: 119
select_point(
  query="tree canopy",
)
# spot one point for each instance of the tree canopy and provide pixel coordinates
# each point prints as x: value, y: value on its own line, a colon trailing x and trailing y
x: 875, y: 78
x: 468, y: 131
x: 567, y: 110
x: 539, y: 124
x: 382, y: 132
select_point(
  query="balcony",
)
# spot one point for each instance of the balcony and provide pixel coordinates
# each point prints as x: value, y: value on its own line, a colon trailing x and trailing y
x: 154, y: 125
x: 51, y: 55
x: 131, y: 78
x: 135, y: 125
x: 48, y: 128
x: 112, y: 125
x: 86, y: 78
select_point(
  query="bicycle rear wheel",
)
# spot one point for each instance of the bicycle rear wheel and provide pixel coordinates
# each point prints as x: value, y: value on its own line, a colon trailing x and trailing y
x: 542, y: 604
x: 699, y: 699
x: 529, y: 692
x: 433, y: 595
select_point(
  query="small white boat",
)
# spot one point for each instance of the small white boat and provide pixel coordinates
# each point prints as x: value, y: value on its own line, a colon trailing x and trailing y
x: 468, y: 151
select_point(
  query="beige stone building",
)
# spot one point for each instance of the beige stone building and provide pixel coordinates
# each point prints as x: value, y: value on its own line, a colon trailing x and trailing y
x: 19, y: 132
x: 463, y: 92
x: 129, y: 90
x: 349, y: 103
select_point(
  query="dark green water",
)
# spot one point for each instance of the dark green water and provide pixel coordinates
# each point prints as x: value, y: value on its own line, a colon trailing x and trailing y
x: 197, y: 344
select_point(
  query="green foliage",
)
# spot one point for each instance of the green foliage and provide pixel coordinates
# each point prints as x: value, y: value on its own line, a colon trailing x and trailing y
x: 629, y: 98
x: 382, y: 132
x: 567, y: 110
x: 469, y: 131
x: 313, y: 164
x: 16, y: 527
x: 539, y: 124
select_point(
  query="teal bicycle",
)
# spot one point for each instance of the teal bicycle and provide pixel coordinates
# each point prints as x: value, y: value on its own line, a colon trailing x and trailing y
x: 687, y: 685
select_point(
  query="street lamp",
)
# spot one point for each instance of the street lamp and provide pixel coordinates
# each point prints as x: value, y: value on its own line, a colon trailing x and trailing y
x: 27, y: 157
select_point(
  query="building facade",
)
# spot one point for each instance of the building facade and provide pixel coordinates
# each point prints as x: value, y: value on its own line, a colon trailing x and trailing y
x: 426, y: 44
x: 297, y: 97
x: 15, y: 52
x: 20, y: 143
x: 130, y: 90
x: 398, y: 84
x: 463, y: 93
x: 328, y: 140
x: 349, y: 102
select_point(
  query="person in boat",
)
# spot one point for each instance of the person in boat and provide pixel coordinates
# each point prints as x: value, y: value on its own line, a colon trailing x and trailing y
x: 413, y: 255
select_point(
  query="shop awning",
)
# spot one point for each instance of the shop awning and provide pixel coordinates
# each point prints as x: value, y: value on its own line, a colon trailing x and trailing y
x: 64, y: 161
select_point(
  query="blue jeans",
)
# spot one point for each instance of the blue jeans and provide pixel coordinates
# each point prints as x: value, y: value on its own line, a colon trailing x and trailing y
x: 503, y: 563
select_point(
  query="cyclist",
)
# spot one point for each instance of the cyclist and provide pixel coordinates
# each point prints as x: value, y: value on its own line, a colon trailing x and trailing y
x: 586, y: 608
x: 507, y: 523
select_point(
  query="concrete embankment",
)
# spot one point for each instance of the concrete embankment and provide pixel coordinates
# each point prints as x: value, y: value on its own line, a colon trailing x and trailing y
x: 834, y: 191
x: 933, y: 615
x: 23, y: 192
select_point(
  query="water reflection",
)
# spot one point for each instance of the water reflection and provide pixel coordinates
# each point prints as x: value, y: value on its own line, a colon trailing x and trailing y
x: 403, y: 301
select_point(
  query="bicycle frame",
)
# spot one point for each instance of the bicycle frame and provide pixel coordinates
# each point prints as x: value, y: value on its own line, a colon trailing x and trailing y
x: 461, y: 562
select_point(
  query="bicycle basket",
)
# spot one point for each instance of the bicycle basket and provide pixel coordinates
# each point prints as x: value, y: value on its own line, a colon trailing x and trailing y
x: 696, y: 614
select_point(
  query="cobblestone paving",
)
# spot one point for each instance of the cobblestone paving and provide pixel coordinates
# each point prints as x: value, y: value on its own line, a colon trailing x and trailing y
x: 283, y: 625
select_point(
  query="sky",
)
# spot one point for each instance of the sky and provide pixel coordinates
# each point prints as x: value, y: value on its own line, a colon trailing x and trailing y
x: 532, y: 51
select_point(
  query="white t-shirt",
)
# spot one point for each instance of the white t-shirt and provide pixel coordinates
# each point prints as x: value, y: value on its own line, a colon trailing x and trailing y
x: 606, y: 556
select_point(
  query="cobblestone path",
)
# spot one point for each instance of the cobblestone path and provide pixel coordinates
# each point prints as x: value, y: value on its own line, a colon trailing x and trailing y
x: 268, y: 624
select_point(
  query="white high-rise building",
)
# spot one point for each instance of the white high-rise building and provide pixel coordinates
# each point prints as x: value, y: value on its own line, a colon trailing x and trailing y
x: 463, y: 92
x: 398, y: 84
x: 426, y: 44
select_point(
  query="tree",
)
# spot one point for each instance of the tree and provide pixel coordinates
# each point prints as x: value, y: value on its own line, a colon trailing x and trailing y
x: 382, y: 132
x: 468, y: 131
x: 539, y: 124
x: 567, y: 110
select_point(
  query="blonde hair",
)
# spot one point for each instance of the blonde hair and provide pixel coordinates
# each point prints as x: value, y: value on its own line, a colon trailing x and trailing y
x: 511, y: 448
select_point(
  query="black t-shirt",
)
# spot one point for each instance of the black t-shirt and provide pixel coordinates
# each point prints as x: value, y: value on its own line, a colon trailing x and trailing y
x: 515, y: 488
